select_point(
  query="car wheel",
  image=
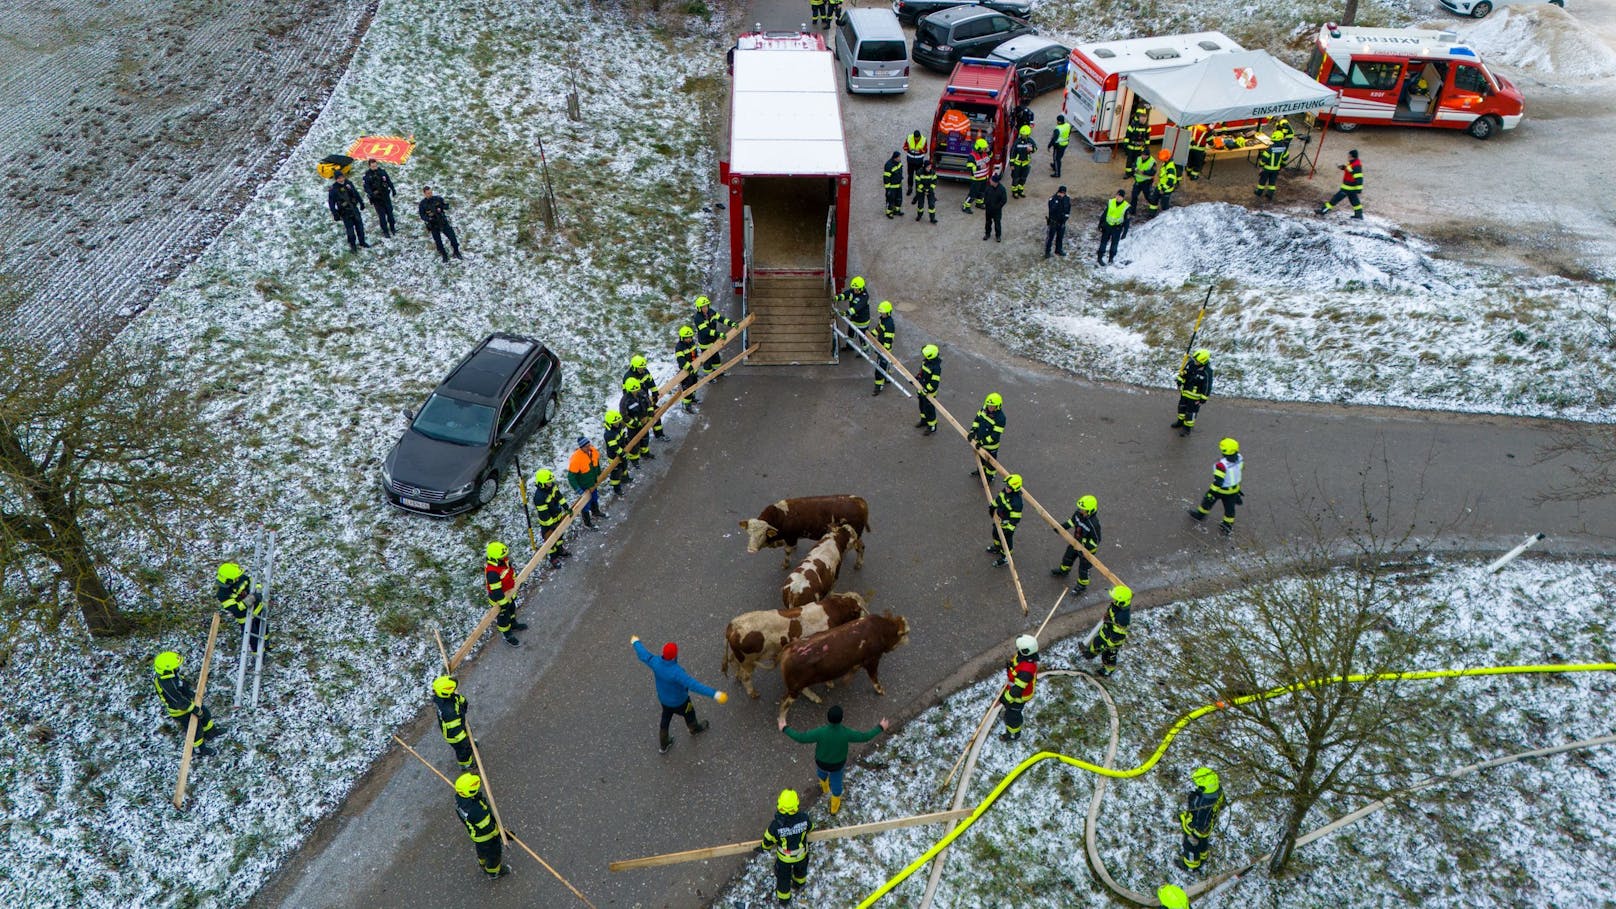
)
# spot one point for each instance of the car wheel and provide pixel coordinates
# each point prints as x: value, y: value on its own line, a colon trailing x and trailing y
x: 1480, y: 10
x: 1484, y: 127
x: 487, y: 488
x: 550, y: 407
x: 1341, y: 127
x: 1028, y: 90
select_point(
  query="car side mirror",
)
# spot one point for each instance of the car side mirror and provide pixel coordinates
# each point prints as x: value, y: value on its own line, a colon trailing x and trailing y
x: 504, y: 437
x: 408, y: 413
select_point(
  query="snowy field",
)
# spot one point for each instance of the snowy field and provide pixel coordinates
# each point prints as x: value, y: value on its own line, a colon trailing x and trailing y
x: 1534, y: 833
x: 305, y: 354
x: 1273, y: 26
x: 1352, y: 312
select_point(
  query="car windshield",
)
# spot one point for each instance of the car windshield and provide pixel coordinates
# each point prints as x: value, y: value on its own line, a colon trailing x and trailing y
x: 450, y: 420
x: 882, y: 51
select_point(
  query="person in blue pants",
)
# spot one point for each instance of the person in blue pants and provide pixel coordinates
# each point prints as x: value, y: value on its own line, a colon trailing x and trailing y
x: 673, y: 687
x: 830, y: 750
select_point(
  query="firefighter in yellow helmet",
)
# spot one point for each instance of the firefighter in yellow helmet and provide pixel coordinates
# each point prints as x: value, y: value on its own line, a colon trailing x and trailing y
x: 886, y: 332
x: 787, y: 838
x: 550, y: 507
x: 1084, y: 525
x: 1171, y: 896
x: 238, y: 600
x: 931, y: 379
x: 987, y: 430
x: 686, y: 352
x: 1021, y: 161
x: 472, y: 806
x: 616, y: 451
x: 1006, y: 514
x: 635, y: 406
x: 1225, y: 486
x: 179, y: 700
x: 1201, y: 809
x: 639, y: 369
x: 710, y: 327
x: 499, y: 579
x: 1194, y: 388
x: 1113, y: 631
x: 451, y: 707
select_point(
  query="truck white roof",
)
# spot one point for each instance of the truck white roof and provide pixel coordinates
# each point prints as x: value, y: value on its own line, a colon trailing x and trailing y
x: 1343, y: 42
x: 785, y: 114
x: 1132, y: 55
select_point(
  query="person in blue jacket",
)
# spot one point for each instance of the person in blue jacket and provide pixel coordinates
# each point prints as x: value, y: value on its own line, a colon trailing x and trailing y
x: 673, y: 687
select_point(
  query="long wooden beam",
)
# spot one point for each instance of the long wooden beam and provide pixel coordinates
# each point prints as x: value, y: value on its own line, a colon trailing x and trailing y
x: 190, y: 726
x: 833, y: 833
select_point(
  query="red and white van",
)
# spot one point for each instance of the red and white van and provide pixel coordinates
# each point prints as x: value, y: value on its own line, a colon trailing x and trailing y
x: 979, y: 102
x: 1412, y: 77
x: 1098, y: 102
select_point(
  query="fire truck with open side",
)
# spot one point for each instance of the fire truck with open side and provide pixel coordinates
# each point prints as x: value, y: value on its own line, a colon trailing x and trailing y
x: 979, y: 102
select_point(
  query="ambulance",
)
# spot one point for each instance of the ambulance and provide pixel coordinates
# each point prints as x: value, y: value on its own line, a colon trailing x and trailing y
x: 1098, y: 102
x: 1412, y: 77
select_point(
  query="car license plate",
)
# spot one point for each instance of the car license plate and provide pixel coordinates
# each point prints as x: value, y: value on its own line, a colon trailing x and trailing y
x: 412, y: 503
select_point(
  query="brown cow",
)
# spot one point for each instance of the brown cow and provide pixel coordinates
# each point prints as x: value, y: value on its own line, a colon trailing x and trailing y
x: 819, y: 571
x: 789, y: 520
x: 755, y: 638
x: 837, y: 653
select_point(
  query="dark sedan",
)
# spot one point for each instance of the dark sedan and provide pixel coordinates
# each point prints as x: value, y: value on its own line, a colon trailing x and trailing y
x: 910, y: 11
x: 460, y: 443
x: 1040, y: 63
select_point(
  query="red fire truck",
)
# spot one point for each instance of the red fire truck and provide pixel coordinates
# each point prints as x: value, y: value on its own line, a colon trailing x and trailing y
x: 979, y: 102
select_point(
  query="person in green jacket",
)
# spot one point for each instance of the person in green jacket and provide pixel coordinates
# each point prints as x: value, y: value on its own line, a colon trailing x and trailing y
x: 830, y: 749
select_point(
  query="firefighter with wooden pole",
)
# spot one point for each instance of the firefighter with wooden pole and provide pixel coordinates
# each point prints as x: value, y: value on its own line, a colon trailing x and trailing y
x: 179, y: 699
x: 472, y: 806
x: 787, y: 838
x: 451, y: 707
x: 886, y: 332
x: 1085, y: 526
x: 500, y: 581
x: 931, y: 378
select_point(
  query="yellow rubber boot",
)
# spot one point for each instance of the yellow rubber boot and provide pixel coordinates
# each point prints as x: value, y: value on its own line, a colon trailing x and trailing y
x: 824, y: 786
x: 835, y: 804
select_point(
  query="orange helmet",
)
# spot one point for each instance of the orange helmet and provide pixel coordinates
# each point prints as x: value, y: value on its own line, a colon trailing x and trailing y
x: 1163, y: 155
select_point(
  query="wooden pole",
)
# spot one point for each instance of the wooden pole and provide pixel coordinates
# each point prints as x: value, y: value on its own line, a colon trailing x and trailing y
x: 834, y: 833
x: 190, y: 727
x: 1066, y: 535
x: 1058, y: 600
x: 978, y: 731
x: 505, y: 833
x: 1004, y: 547
x: 476, y: 756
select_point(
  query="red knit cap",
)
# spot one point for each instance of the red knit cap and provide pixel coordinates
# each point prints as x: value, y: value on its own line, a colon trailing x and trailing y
x: 670, y: 651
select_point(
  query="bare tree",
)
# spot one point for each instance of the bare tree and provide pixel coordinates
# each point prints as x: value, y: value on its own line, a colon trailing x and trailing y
x: 1588, y: 454
x: 100, y: 445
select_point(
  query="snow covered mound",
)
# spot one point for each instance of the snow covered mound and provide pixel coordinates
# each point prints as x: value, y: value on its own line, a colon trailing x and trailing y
x: 1541, y: 39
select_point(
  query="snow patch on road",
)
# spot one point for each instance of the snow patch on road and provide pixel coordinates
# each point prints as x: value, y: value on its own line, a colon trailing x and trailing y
x: 1542, y: 39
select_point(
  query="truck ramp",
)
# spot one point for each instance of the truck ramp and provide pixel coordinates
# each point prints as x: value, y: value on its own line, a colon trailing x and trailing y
x: 792, y: 324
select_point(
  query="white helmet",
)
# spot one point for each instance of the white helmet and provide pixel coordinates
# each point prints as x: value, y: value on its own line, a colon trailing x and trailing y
x: 1026, y: 645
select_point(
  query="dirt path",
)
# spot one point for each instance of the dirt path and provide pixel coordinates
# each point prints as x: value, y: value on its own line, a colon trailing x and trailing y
x: 131, y: 134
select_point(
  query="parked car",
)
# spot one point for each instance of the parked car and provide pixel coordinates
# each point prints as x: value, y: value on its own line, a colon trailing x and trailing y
x: 455, y: 452
x: 1480, y: 8
x: 941, y: 39
x: 1040, y: 64
x: 872, y: 52
x: 910, y: 11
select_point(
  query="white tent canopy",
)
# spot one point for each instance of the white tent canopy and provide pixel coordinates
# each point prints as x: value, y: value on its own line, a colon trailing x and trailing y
x: 1248, y: 85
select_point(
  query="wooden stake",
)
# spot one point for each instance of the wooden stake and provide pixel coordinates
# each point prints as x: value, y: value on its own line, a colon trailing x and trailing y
x: 978, y: 731
x: 834, y: 833
x: 503, y: 831
x: 1058, y: 600
x: 190, y: 727
x: 476, y: 757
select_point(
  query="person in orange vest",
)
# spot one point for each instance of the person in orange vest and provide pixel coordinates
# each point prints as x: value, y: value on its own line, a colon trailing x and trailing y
x: 1022, y: 672
x: 583, y: 473
x: 500, y: 580
x: 1351, y: 187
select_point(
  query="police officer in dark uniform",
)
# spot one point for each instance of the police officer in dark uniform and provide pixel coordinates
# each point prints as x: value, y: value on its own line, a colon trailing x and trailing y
x: 345, y: 202
x: 931, y: 378
x: 640, y: 371
x: 434, y: 212
x: 379, y: 190
x: 179, y: 699
x: 787, y: 838
x: 472, y: 806
x: 1084, y: 524
x: 451, y: 709
x: 886, y: 331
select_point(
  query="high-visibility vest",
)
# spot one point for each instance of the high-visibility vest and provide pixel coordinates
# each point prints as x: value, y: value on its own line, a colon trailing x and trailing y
x: 1167, y: 177
x: 1144, y: 169
x: 1116, y: 211
x: 914, y: 149
x: 1063, y: 134
x: 1352, y: 177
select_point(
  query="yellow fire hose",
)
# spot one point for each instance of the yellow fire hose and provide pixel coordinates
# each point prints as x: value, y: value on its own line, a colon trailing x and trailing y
x: 1185, y: 720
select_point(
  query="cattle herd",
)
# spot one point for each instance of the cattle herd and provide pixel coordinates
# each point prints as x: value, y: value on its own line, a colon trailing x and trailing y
x: 817, y: 636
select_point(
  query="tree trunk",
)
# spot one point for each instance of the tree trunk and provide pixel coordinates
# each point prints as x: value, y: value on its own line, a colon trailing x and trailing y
x: 1287, y: 842
x: 1350, y: 15
x: 102, y: 618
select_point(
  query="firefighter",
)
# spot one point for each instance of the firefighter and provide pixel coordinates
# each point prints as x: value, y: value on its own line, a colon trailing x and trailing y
x: 616, y: 439
x: 1021, y: 161
x: 1113, y: 631
x: 993, y: 202
x: 673, y: 687
x: 892, y: 182
x: 472, y: 806
x: 1136, y: 138
x: 635, y: 406
x: 830, y: 743
x: 1269, y: 163
x: 238, y: 600
x: 914, y: 156
x: 1225, y: 486
x: 640, y: 371
x: 434, y: 213
x: 1166, y: 182
x: 1113, y: 227
x: 1202, y: 805
x: 1194, y: 387
x: 1060, y: 211
x: 499, y: 579
x: 179, y: 699
x: 1021, y: 672
x: 550, y: 507
x: 710, y: 328
x: 1199, y: 134
x: 833, y: 12
x: 931, y: 378
x: 1084, y: 524
x: 981, y: 169
x: 1351, y: 187
x: 816, y: 8
x: 583, y: 475
x: 379, y: 190
x: 686, y: 352
x: 1280, y: 136
x: 886, y: 331
x: 787, y: 838
x: 452, y: 718
x: 346, y: 203
x: 1172, y: 896
x: 1059, y: 138
x: 1024, y: 115
x: 1144, y: 174
x: 926, y: 192
x: 1005, y: 512
x: 857, y: 301
x: 987, y: 430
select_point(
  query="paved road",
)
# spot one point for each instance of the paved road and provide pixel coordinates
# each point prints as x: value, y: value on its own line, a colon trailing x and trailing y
x: 567, y: 722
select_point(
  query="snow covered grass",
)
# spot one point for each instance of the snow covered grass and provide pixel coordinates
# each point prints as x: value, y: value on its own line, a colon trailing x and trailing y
x: 1543, y: 40
x: 304, y: 354
x: 1527, y: 834
x: 1311, y: 310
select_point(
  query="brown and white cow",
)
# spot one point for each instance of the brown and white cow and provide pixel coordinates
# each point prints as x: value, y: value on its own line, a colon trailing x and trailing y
x: 837, y: 653
x: 811, y: 517
x: 755, y: 638
x: 818, y: 572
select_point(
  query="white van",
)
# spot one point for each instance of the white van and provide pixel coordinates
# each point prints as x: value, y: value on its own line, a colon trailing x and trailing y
x: 872, y: 53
